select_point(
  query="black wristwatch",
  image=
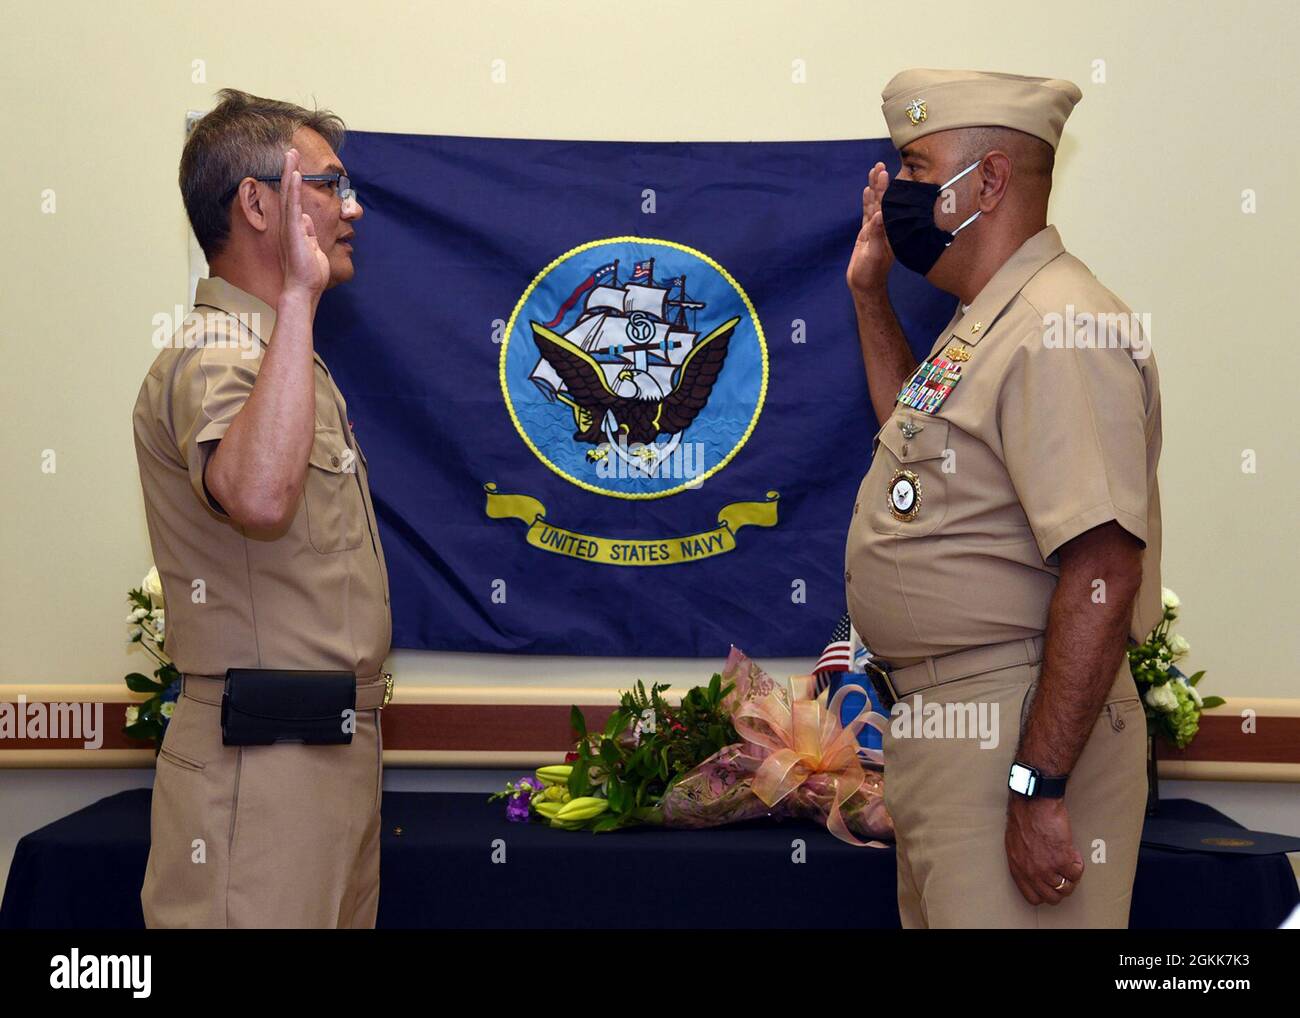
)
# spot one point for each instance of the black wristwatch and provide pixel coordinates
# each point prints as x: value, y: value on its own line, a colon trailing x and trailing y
x: 1033, y: 784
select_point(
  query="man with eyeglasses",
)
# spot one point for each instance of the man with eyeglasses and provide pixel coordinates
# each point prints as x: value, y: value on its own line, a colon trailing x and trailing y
x: 258, y: 505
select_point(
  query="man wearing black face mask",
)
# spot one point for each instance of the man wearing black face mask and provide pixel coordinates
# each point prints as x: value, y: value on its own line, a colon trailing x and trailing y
x: 1006, y: 540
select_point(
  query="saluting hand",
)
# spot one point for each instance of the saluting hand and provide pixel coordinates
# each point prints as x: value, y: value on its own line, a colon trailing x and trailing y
x: 306, y: 267
x: 871, y: 259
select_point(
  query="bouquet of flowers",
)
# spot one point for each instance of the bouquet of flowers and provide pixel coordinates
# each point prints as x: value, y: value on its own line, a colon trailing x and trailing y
x: 740, y: 748
x: 1173, y: 705
x: 148, y: 720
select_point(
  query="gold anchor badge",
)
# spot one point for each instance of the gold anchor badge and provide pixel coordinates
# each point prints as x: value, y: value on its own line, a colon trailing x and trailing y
x: 916, y: 111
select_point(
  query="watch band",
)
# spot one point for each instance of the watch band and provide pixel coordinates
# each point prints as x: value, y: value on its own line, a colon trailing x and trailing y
x: 1040, y: 785
x: 1050, y: 788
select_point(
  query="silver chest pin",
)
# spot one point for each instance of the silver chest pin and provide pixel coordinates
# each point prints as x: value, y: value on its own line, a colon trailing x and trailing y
x: 910, y: 430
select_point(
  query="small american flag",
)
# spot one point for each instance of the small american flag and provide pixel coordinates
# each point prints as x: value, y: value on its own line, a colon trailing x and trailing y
x: 641, y: 270
x: 838, y: 655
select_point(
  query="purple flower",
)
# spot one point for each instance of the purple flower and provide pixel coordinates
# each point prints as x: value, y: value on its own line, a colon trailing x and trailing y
x: 517, y: 809
x: 517, y: 804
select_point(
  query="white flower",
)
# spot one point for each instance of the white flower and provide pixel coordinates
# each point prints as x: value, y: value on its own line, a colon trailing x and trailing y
x: 159, y: 622
x: 1179, y: 645
x: 132, y: 715
x: 1162, y: 698
x: 1168, y: 598
x: 168, y: 709
x: 152, y: 585
x: 1196, y: 697
x: 134, y: 617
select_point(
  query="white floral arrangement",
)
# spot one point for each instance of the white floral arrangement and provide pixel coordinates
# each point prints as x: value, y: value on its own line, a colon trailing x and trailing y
x: 1173, y: 704
x: 148, y: 622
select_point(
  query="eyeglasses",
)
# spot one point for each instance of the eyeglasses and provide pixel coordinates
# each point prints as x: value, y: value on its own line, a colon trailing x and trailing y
x: 342, y: 184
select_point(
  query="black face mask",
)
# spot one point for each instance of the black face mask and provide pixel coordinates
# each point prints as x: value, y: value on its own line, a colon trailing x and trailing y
x: 907, y: 208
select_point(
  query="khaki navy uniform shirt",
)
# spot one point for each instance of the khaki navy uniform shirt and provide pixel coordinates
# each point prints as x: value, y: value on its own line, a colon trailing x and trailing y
x: 1043, y: 438
x: 312, y: 596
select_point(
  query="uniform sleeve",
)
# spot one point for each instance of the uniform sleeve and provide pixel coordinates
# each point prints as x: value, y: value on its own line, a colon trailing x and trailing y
x: 1073, y: 430
x: 211, y: 388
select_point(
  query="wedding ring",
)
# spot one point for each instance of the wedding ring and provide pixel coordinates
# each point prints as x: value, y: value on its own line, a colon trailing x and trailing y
x: 1061, y: 884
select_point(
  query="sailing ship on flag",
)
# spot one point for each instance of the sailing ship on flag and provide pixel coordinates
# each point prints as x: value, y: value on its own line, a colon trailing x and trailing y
x: 632, y: 366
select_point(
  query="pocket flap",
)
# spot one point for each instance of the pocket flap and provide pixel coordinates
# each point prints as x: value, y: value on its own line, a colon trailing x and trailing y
x: 330, y: 453
x: 929, y: 437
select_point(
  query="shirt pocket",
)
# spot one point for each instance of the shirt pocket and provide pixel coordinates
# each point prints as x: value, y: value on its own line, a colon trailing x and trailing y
x: 908, y: 472
x: 335, y: 515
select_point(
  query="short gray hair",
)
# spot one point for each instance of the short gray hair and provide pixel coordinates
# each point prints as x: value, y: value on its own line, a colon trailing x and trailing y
x: 243, y: 136
x: 1032, y: 156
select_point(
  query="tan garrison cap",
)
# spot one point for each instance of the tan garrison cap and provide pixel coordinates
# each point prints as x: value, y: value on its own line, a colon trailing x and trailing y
x: 922, y: 101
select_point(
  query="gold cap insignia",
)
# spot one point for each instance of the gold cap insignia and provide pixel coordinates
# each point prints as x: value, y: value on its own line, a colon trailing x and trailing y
x: 916, y: 111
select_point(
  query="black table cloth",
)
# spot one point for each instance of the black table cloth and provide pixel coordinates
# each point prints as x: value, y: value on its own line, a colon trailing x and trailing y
x: 85, y: 871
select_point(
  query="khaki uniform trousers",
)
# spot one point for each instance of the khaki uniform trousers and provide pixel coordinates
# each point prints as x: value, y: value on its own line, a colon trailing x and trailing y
x: 278, y: 836
x: 948, y: 798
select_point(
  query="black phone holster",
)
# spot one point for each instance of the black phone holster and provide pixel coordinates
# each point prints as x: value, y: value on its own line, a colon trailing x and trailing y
x: 263, y: 705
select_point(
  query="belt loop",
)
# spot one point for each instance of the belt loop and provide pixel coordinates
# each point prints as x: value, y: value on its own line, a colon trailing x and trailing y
x: 934, y: 672
x: 1030, y: 656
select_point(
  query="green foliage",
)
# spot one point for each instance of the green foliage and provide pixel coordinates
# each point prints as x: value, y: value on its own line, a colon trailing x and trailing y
x: 645, y: 747
x: 149, y: 721
x: 1172, y: 703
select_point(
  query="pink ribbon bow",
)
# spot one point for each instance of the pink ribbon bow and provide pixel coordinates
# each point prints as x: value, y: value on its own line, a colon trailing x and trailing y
x: 805, y: 737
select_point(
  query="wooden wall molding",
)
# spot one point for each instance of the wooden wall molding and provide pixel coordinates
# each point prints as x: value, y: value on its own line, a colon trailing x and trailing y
x: 525, y: 726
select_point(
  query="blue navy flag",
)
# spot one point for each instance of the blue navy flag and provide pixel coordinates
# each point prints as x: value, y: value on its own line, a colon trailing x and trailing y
x: 611, y: 394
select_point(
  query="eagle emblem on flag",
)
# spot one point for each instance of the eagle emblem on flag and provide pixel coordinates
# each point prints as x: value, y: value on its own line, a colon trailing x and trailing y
x: 635, y: 382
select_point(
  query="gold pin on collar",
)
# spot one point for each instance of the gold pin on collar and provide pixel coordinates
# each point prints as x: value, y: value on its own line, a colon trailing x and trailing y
x: 957, y: 353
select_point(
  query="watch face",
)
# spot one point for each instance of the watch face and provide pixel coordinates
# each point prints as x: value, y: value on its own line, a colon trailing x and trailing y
x: 1021, y: 779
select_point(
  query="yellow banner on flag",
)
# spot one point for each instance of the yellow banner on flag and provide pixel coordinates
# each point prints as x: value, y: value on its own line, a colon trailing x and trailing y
x: 617, y: 551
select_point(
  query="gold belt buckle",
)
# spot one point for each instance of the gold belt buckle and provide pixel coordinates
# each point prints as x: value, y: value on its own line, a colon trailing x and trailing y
x: 388, y: 689
x: 883, y: 674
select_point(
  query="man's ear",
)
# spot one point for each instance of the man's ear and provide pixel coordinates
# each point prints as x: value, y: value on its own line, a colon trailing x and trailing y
x: 995, y: 177
x: 249, y: 204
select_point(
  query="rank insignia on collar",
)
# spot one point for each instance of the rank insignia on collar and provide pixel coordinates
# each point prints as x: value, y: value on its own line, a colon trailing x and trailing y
x: 916, y: 112
x: 931, y: 385
x: 904, y: 495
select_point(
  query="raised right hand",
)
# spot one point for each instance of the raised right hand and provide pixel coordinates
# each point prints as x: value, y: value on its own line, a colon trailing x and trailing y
x: 872, y: 258
x: 306, y: 267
